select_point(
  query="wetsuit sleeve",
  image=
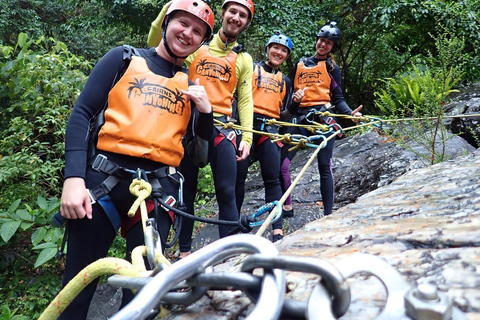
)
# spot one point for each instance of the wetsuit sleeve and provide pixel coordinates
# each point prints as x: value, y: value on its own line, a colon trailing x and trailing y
x: 337, y: 98
x: 90, y: 102
x: 292, y: 76
x: 337, y: 75
x: 245, y: 100
x: 155, y: 33
x: 199, y: 132
x: 289, y: 107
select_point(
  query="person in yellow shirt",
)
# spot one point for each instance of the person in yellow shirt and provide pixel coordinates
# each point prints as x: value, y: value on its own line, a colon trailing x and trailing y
x: 225, y: 70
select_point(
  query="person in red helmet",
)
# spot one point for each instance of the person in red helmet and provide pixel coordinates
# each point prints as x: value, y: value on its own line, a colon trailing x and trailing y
x: 129, y: 121
x: 320, y: 78
x: 225, y: 70
x: 273, y: 98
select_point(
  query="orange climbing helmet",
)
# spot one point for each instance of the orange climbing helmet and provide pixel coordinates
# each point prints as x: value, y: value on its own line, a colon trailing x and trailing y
x: 198, y: 8
x: 246, y: 3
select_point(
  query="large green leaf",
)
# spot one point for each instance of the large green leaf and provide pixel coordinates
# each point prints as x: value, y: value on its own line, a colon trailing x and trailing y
x: 23, y: 214
x: 45, y: 246
x: 38, y: 235
x: 8, y: 229
x: 45, y: 255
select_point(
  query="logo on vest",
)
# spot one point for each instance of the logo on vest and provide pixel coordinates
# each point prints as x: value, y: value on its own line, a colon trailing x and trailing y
x: 157, y: 96
x: 309, y: 77
x: 213, y: 70
x: 269, y: 85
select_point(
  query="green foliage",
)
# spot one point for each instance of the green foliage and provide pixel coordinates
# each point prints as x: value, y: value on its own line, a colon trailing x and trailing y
x: 7, y: 314
x: 206, y: 188
x: 40, y: 81
x: 88, y: 28
x: 17, y: 221
x: 28, y: 244
x: 418, y: 93
x: 421, y: 93
x: 424, y: 88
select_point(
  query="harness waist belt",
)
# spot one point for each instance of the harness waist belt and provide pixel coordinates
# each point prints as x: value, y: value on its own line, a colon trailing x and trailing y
x: 102, y: 164
x: 116, y: 173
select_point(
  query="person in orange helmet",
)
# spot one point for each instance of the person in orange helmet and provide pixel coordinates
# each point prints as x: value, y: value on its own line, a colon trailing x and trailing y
x: 140, y: 104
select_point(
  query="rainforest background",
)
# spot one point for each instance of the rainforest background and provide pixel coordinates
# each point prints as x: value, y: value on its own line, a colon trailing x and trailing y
x: 398, y: 58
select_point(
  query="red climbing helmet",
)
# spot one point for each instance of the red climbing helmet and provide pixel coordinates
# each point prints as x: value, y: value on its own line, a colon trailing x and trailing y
x: 198, y: 8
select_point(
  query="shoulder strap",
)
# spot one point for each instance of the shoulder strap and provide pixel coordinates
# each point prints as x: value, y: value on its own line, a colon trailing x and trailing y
x: 99, y: 120
x: 129, y: 51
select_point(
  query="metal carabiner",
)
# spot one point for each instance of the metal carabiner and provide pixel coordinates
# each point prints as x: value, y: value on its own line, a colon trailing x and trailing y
x: 271, y: 294
x: 331, y: 278
x: 311, y: 114
x: 268, y: 207
x: 377, y: 122
x: 312, y: 139
x: 152, y: 242
x: 396, y: 286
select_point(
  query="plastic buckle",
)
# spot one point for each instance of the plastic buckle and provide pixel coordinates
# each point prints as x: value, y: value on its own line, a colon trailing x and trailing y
x: 170, y: 201
x: 98, y: 162
x: 231, y: 135
x: 92, y: 198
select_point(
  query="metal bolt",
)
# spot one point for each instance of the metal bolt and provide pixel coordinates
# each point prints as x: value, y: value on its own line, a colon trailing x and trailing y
x: 426, y: 292
x: 426, y: 303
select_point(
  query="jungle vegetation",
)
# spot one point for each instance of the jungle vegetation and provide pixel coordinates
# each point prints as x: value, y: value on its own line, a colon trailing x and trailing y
x: 398, y: 58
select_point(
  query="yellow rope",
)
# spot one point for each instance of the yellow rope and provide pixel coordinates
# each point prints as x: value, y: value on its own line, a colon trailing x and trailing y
x: 82, y: 279
x: 142, y: 190
x: 108, y: 266
x: 272, y: 214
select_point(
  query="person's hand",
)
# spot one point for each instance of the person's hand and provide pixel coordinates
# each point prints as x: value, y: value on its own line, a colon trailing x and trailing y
x: 244, y: 150
x: 198, y: 94
x: 298, y: 96
x: 75, y: 202
x: 356, y: 113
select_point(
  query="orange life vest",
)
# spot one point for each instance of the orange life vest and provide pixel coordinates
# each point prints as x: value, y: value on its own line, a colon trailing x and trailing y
x: 147, y: 115
x: 317, y: 80
x: 218, y: 76
x: 268, y: 91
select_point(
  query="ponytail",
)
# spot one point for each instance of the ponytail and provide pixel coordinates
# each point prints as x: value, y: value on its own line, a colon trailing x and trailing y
x: 330, y: 62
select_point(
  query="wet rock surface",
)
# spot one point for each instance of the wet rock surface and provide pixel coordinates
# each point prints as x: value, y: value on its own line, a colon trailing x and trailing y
x: 421, y: 219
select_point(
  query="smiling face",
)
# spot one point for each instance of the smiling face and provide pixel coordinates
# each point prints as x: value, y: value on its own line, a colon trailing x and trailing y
x: 235, y: 18
x: 323, y: 47
x: 277, y: 54
x: 185, y: 32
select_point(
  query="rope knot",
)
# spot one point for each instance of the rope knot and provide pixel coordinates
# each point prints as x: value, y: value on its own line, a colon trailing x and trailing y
x: 141, y: 189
